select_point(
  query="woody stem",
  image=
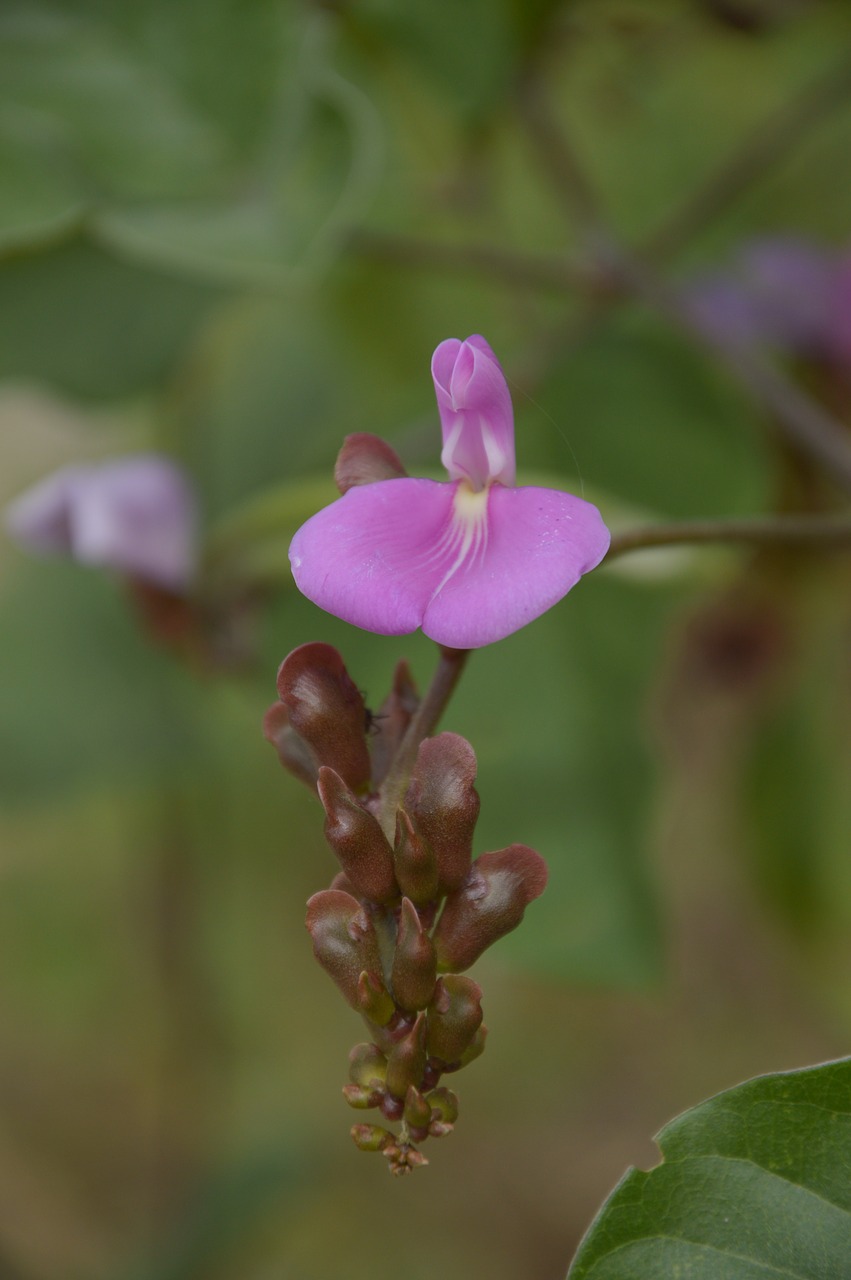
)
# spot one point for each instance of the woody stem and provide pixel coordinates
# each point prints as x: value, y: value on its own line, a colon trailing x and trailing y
x: 423, y: 722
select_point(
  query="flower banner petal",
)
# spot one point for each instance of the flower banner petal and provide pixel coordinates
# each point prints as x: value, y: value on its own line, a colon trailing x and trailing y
x: 539, y: 543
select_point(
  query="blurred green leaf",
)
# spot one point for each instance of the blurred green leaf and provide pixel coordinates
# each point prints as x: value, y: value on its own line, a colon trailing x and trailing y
x: 661, y: 427
x: 81, y: 320
x: 557, y: 715
x: 218, y: 140
x: 228, y: 1209
x: 90, y: 699
x: 795, y: 779
x: 466, y: 50
x: 754, y: 1182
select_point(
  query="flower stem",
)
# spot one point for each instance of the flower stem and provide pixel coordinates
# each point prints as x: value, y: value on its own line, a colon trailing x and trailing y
x: 819, y: 531
x: 423, y: 722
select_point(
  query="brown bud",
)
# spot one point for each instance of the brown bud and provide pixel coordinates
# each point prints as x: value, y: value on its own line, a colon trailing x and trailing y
x: 327, y: 710
x: 391, y: 721
x: 367, y: 1065
x: 444, y: 805
x: 407, y: 1059
x: 365, y: 458
x: 344, y: 940
x: 293, y: 751
x: 371, y: 1137
x: 415, y: 863
x: 414, y: 961
x: 357, y: 839
x: 454, y: 1017
x: 374, y: 1000
x: 417, y: 1110
x: 489, y: 904
x: 342, y: 881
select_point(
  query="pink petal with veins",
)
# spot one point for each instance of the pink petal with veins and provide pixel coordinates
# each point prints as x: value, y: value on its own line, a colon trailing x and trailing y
x: 469, y: 568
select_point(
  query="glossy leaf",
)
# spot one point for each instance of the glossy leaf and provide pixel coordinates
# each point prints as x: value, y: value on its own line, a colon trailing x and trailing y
x: 754, y: 1183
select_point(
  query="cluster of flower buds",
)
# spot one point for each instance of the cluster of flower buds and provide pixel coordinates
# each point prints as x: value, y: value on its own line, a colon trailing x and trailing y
x: 410, y: 908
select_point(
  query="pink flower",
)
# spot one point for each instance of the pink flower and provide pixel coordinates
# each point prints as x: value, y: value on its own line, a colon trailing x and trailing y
x: 470, y: 560
x: 135, y: 514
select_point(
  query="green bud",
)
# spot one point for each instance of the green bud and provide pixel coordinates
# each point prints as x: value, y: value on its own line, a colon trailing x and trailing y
x: 417, y: 1110
x: 367, y: 1065
x: 476, y: 1047
x: 360, y: 1098
x: 373, y: 999
x: 371, y: 1137
x: 444, y: 1105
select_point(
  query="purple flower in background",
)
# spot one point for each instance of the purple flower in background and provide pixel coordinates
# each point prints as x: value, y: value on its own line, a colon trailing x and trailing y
x: 780, y: 292
x: 135, y: 514
x: 469, y: 560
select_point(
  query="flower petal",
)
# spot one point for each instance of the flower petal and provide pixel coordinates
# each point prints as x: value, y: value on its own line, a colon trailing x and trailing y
x: 136, y: 515
x: 537, y: 544
x: 40, y: 519
x: 475, y: 412
x: 370, y: 558
x: 470, y: 568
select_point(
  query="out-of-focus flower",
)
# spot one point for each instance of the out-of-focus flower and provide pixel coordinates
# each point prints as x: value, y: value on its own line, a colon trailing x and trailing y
x: 782, y: 292
x: 470, y: 560
x: 135, y: 514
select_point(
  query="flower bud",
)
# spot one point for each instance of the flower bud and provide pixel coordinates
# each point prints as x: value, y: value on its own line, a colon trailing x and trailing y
x: 294, y: 753
x: 489, y: 904
x: 414, y: 961
x: 344, y: 941
x: 371, y: 1137
x: 444, y: 805
x: 360, y: 1098
x: 444, y: 1105
x: 476, y: 1047
x: 417, y: 1110
x: 357, y: 839
x: 327, y: 710
x: 365, y: 458
x: 134, y: 514
x: 367, y: 1066
x: 415, y: 863
x: 454, y: 1017
x: 391, y: 721
x: 374, y: 1000
x: 407, y: 1059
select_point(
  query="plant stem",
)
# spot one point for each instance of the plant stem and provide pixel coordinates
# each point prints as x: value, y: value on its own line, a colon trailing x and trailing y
x: 819, y: 531
x: 424, y: 721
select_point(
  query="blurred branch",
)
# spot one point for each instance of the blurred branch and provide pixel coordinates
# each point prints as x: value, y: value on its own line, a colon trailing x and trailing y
x: 793, y: 531
x: 803, y: 421
x: 768, y: 144
x: 526, y: 270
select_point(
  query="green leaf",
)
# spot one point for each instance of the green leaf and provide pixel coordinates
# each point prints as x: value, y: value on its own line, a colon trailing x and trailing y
x: 755, y: 1183
x: 660, y: 426
x: 81, y: 320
